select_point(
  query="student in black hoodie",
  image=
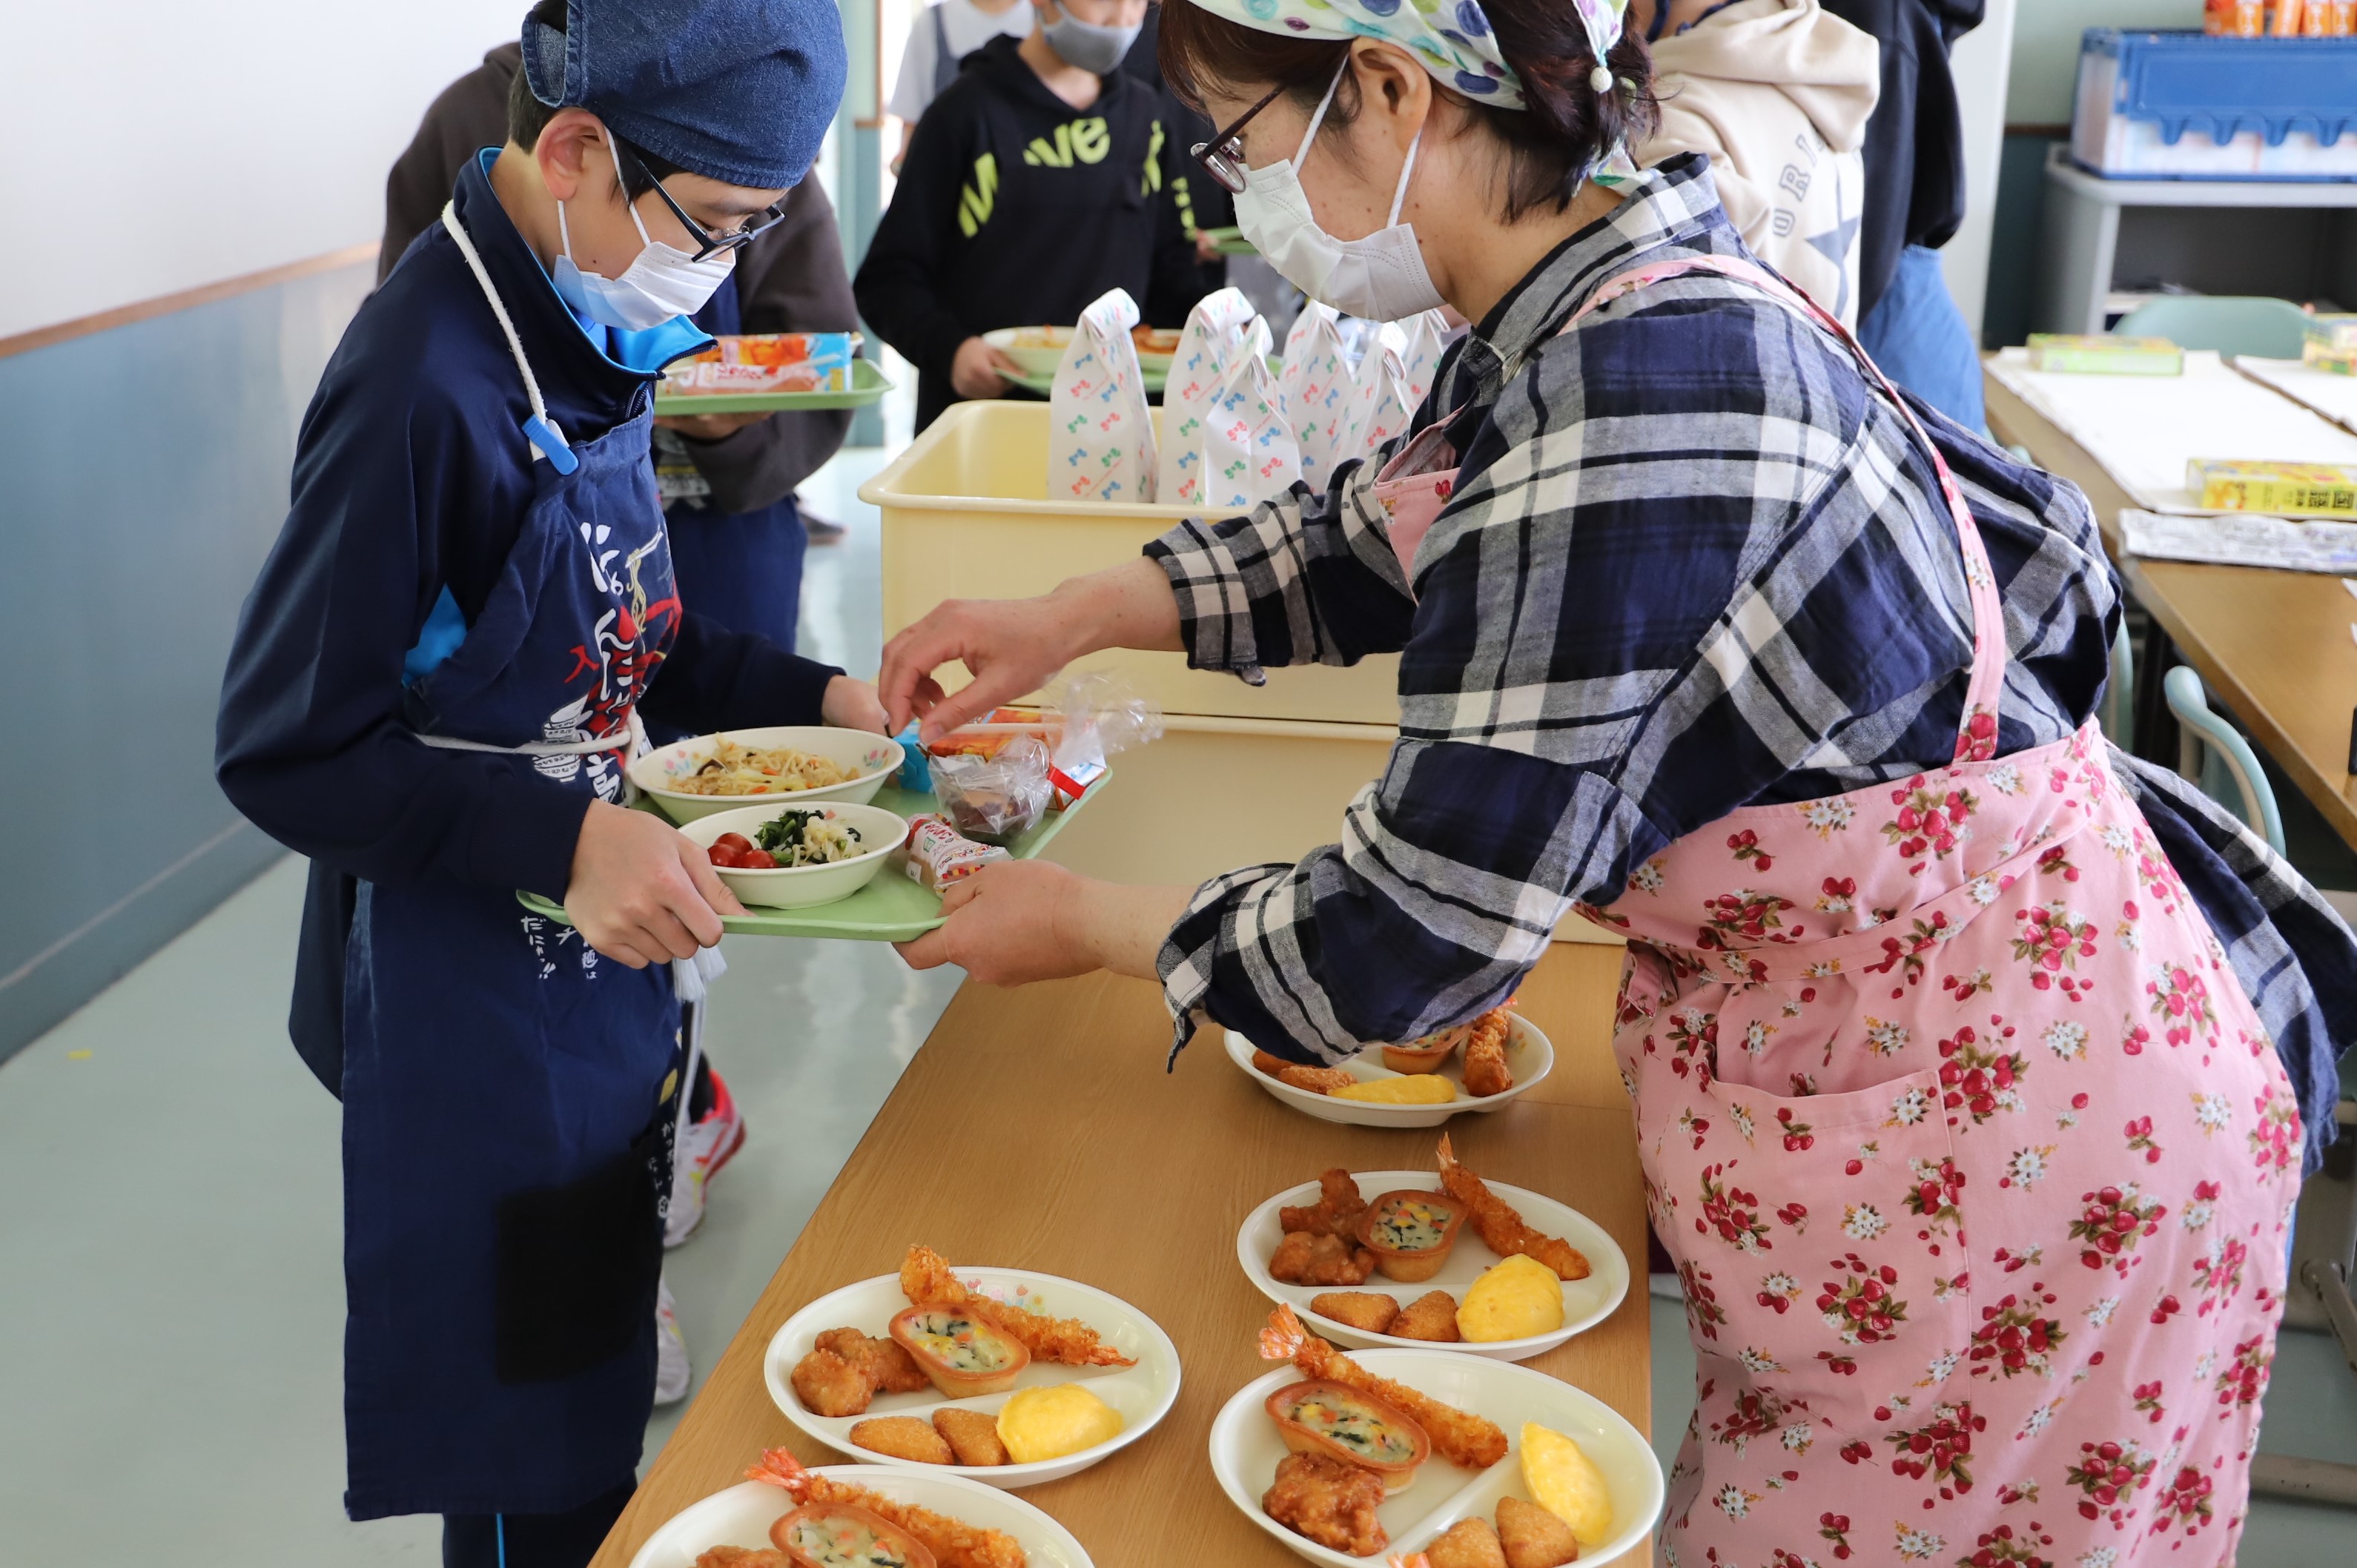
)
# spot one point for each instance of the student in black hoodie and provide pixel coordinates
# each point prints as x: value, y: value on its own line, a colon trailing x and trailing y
x: 1043, y: 177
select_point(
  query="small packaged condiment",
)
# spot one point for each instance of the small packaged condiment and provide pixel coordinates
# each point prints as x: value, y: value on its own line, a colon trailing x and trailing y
x: 937, y: 856
x: 2102, y: 354
x: 2309, y: 489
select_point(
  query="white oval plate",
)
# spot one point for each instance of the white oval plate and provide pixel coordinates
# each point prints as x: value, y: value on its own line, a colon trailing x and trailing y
x: 1530, y: 1055
x: 742, y: 1516
x: 872, y: 757
x: 800, y: 887
x: 1585, y: 1303
x: 1245, y: 1449
x: 1143, y: 1393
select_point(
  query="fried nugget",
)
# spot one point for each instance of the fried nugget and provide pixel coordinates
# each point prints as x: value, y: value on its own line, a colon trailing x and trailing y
x: 972, y: 1435
x: 903, y: 1437
x: 829, y: 1385
x: 1486, y: 1071
x: 888, y: 1365
x: 1302, y: 1258
x: 1533, y: 1538
x: 1315, y: 1080
x: 743, y: 1557
x: 1432, y: 1316
x: 1362, y: 1310
x: 1330, y: 1502
x: 1337, y: 1212
x: 1468, y: 1544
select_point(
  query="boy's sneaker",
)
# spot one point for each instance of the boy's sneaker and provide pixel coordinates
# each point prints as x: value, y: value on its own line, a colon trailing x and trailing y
x: 705, y: 1147
x: 674, y: 1372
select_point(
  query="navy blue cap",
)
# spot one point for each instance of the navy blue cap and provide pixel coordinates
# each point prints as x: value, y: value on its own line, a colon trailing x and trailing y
x: 737, y: 91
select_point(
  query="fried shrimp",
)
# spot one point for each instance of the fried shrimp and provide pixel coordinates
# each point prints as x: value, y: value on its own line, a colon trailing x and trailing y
x: 1337, y: 1211
x: 956, y: 1543
x: 1313, y: 1079
x: 1486, y: 1071
x: 1501, y: 1230
x: 927, y: 1281
x: 1460, y: 1438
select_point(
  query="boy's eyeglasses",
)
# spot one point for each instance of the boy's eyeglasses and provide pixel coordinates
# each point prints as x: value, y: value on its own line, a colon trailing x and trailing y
x: 707, y: 243
x: 1223, y: 157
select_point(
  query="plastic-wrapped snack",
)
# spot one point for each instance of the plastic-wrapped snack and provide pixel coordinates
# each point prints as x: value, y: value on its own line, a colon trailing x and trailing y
x: 936, y: 855
x: 1102, y: 717
x: 994, y: 797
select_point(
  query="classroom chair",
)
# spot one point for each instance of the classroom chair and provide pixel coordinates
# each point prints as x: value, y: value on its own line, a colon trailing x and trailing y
x: 2252, y: 798
x: 2116, y: 712
x: 2261, y: 327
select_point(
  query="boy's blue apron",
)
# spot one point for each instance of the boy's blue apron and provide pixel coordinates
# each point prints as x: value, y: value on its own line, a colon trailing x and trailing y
x: 508, y: 1093
x: 742, y: 570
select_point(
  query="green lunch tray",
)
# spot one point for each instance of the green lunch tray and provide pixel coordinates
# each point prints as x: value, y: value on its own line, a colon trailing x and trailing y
x: 1151, y: 380
x: 1232, y: 242
x: 868, y: 385
x: 891, y: 909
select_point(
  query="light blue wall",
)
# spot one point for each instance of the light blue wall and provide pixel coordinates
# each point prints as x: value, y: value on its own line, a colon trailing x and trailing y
x: 143, y: 475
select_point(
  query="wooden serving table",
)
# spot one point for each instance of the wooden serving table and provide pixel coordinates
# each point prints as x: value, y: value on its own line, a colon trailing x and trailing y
x: 1037, y: 1129
x: 2272, y: 646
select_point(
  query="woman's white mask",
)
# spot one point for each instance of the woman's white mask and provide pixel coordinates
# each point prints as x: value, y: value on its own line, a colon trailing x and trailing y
x: 1379, y: 278
x: 660, y: 283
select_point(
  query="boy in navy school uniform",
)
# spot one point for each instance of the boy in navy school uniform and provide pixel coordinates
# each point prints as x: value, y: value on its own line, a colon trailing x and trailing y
x: 434, y: 688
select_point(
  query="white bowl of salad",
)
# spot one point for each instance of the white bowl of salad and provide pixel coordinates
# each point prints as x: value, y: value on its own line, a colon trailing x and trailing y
x: 790, y: 856
x: 709, y: 773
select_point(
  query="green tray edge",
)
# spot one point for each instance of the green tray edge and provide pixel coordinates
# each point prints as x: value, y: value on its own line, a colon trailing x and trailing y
x: 884, y: 896
x: 869, y: 383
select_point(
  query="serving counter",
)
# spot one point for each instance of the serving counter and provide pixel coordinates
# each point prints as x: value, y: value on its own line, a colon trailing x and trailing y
x: 1037, y: 1129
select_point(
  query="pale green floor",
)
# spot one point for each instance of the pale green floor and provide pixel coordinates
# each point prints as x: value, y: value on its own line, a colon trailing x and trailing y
x: 170, y: 1294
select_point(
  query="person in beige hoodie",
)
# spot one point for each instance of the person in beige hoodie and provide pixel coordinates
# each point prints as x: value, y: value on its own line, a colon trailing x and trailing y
x: 1778, y: 93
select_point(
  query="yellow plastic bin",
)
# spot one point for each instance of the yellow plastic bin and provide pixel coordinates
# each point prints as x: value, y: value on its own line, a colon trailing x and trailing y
x: 1242, y: 774
x: 966, y: 516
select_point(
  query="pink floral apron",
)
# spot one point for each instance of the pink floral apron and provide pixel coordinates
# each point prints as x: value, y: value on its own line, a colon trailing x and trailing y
x: 1972, y: 1154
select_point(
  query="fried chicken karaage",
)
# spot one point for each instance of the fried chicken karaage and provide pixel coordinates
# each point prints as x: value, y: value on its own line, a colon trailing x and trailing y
x: 1337, y: 1212
x: 1302, y: 1258
x: 1330, y: 1502
x: 845, y: 1369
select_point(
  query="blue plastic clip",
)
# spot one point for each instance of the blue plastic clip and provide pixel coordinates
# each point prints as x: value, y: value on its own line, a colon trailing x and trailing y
x: 552, y: 445
x: 914, y: 776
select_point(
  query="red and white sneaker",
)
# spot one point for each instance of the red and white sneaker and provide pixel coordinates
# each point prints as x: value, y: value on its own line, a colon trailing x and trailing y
x: 705, y: 1147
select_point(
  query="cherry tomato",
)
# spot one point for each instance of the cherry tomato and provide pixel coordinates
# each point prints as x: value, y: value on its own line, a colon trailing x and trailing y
x: 756, y: 859
x: 721, y: 854
x: 737, y: 843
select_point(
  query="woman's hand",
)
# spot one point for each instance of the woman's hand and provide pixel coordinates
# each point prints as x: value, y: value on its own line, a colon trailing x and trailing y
x: 1012, y: 646
x: 852, y: 704
x: 980, y: 371
x: 642, y: 892
x: 1017, y: 922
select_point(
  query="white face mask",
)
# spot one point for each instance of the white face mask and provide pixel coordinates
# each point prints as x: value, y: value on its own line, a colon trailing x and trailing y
x: 1379, y: 278
x: 662, y: 283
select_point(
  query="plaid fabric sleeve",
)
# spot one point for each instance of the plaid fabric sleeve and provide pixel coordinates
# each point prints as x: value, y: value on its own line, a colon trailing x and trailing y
x: 1303, y: 579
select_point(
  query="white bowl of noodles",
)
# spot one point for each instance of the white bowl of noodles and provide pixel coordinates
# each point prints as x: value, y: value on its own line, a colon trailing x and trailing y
x: 873, y: 833
x: 707, y: 773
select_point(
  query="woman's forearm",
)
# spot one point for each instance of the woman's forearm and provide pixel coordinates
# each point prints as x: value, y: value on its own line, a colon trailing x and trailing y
x: 1129, y: 606
x: 1121, y: 928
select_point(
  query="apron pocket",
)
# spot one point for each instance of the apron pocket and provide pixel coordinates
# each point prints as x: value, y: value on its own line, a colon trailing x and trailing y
x: 577, y: 1266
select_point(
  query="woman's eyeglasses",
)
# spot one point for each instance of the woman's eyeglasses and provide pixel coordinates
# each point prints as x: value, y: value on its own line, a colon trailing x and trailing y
x: 1223, y: 157
x: 707, y: 243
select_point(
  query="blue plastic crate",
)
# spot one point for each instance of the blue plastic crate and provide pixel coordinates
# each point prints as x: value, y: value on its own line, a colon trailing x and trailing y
x: 2184, y: 105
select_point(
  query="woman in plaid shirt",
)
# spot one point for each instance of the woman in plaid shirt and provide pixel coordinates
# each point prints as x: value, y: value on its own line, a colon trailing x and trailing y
x: 1690, y: 560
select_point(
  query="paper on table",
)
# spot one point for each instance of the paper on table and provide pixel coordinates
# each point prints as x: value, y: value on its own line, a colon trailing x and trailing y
x: 1215, y: 328
x: 2144, y: 429
x: 1101, y: 438
x: 2334, y: 396
x: 2241, y: 540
